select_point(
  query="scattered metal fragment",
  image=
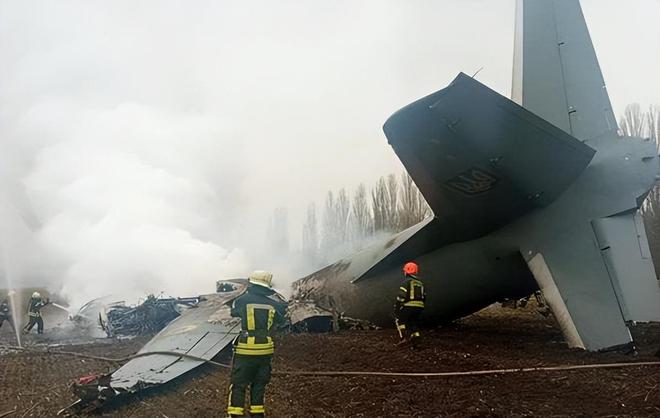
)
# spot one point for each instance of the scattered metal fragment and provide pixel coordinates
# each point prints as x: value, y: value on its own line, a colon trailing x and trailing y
x: 202, y: 331
x: 306, y: 316
x: 119, y: 320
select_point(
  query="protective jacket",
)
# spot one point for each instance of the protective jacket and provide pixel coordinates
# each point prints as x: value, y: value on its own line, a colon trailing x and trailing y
x: 259, y: 312
x: 34, y: 307
x: 411, y: 293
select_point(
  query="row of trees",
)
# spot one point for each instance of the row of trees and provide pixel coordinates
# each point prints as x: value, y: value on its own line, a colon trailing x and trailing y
x: 347, y: 221
x: 350, y: 222
x: 636, y: 122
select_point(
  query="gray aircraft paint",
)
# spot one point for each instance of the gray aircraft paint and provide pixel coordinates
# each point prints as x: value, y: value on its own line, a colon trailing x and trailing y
x: 519, y: 204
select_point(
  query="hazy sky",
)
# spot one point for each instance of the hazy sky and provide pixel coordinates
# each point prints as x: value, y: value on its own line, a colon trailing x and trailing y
x: 154, y: 138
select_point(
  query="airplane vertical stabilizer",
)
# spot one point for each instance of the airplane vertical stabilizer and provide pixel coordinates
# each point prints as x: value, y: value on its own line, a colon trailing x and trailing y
x: 556, y: 73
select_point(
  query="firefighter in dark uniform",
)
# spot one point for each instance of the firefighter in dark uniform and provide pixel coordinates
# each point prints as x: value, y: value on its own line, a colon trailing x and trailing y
x: 34, y: 313
x: 5, y: 313
x: 410, y: 305
x: 260, y: 311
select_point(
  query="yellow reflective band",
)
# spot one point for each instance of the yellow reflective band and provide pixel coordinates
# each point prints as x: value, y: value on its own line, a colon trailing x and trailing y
x: 415, y: 334
x: 256, y: 346
x: 271, y: 318
x: 251, y: 341
x: 257, y: 409
x: 253, y: 352
x: 402, y: 326
x: 251, y: 307
x: 403, y: 288
x: 235, y: 410
x: 250, y: 317
x: 415, y: 304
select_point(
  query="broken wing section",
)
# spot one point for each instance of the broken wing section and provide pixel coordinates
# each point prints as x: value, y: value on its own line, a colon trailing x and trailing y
x: 479, y: 159
x: 202, y: 332
x: 574, y: 280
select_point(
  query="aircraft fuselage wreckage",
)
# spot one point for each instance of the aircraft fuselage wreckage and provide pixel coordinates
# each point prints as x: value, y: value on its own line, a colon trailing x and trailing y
x: 538, y: 192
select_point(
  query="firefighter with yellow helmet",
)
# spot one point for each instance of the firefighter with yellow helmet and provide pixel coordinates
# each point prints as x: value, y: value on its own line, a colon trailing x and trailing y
x: 260, y: 311
x: 35, y: 304
x: 410, y: 305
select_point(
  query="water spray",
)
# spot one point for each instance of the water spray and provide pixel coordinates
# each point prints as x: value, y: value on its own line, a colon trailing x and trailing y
x: 13, y: 305
x: 13, y: 299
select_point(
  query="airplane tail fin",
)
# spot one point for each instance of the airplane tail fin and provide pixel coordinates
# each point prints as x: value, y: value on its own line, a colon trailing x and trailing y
x: 556, y: 73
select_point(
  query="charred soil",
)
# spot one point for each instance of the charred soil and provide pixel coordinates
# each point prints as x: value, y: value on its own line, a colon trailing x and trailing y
x: 37, y: 384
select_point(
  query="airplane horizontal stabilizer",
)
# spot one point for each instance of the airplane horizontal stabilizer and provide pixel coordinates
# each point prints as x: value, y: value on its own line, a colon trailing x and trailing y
x: 574, y: 280
x: 480, y: 160
x: 624, y: 246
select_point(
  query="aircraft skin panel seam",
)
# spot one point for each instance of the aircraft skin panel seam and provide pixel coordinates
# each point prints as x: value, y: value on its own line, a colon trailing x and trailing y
x: 562, y: 68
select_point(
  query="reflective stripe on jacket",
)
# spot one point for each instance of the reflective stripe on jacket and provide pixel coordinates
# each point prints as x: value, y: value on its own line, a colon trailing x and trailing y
x: 411, y: 293
x: 258, y: 313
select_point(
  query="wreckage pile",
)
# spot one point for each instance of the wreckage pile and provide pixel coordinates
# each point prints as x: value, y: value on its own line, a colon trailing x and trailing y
x: 147, y: 318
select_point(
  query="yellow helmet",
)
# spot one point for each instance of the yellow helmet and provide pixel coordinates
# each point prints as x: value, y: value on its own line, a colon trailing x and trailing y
x: 261, y: 278
x: 36, y: 295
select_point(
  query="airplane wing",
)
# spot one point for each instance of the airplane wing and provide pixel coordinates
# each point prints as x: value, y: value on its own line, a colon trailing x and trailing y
x: 480, y: 160
x: 202, y: 331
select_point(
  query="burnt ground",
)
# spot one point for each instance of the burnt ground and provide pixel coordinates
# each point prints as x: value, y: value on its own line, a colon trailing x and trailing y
x: 37, y: 384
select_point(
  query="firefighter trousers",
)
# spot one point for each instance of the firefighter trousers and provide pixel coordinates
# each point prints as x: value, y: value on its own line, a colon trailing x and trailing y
x: 35, y: 320
x: 408, y: 319
x: 253, y: 372
x: 9, y: 319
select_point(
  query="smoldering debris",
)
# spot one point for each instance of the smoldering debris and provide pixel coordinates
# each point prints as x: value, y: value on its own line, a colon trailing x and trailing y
x: 196, y: 336
x: 149, y: 317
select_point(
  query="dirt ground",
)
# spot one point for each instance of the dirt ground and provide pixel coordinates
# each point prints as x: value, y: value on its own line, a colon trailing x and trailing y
x: 37, y: 384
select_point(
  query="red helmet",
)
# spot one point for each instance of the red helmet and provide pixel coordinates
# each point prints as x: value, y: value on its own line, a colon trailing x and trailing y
x: 410, y: 268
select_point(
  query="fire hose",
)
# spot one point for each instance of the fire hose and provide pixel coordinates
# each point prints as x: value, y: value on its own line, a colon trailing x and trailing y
x: 351, y: 373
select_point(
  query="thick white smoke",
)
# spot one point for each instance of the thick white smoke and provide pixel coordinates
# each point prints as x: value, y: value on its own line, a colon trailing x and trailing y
x: 152, y: 140
x: 134, y: 199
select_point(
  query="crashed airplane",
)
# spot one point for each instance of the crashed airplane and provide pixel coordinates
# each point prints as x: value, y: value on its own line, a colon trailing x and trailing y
x: 537, y: 192
x: 534, y: 193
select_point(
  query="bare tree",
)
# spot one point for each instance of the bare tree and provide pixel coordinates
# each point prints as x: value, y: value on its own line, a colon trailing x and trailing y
x: 329, y: 239
x: 633, y: 122
x: 379, y: 205
x: 361, y: 219
x: 412, y: 205
x: 653, y: 123
x: 392, y: 220
x: 310, y: 238
x: 342, y: 211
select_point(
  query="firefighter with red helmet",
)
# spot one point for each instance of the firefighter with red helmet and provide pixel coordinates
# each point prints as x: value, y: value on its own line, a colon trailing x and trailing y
x: 410, y: 305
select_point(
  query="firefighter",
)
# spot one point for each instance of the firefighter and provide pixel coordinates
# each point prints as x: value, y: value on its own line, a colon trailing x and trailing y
x: 260, y: 311
x: 34, y: 313
x: 410, y: 305
x: 5, y: 313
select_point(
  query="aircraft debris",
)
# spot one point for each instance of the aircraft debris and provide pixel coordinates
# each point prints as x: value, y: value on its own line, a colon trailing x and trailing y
x: 306, y: 316
x: 149, y: 317
x: 198, y: 334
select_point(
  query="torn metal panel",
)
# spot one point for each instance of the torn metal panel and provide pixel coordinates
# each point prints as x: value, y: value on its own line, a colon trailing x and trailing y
x: 306, y: 316
x: 149, y: 317
x: 202, y: 331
